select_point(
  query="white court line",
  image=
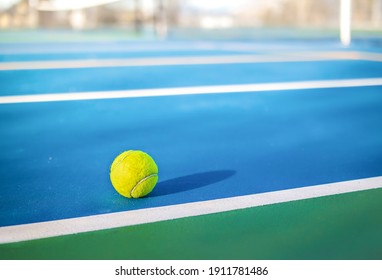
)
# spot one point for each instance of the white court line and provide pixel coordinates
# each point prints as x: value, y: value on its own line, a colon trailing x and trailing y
x: 348, y: 55
x: 25, y: 232
x: 195, y: 60
x: 377, y: 57
x: 97, y: 47
x: 10, y: 99
x: 155, y: 61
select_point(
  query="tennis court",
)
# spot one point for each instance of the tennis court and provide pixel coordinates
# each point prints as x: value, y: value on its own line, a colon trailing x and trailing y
x: 266, y: 149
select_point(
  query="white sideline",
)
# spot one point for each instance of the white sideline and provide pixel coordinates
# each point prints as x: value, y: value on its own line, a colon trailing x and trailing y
x: 304, y: 56
x: 10, y: 234
x: 158, y: 61
x: 10, y: 99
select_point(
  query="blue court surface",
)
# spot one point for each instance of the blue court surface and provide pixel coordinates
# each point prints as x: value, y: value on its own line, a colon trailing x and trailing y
x: 292, y: 117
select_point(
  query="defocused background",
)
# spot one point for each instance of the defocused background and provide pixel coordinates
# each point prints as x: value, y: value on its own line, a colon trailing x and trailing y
x: 182, y: 19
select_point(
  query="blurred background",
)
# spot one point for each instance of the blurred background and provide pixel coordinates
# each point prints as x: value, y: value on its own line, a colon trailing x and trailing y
x: 184, y: 19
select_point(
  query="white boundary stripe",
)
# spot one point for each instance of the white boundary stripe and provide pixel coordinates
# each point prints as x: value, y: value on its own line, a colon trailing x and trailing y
x: 190, y: 90
x: 155, y: 61
x: 99, y: 47
x: 189, y: 60
x: 25, y: 232
x: 348, y: 55
x: 377, y: 57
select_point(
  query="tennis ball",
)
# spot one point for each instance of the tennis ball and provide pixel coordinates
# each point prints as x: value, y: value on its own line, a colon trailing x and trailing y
x: 133, y: 174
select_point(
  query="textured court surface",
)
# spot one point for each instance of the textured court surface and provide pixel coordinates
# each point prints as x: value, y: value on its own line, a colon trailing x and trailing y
x: 55, y: 156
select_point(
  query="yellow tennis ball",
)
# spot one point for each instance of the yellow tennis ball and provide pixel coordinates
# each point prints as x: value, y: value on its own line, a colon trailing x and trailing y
x: 134, y: 174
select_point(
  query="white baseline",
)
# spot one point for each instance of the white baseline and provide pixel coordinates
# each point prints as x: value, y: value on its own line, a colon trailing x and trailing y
x: 10, y: 234
x: 217, y: 89
x: 189, y: 60
x: 153, y: 61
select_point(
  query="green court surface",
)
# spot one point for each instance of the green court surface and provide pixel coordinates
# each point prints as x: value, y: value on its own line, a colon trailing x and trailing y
x: 347, y: 226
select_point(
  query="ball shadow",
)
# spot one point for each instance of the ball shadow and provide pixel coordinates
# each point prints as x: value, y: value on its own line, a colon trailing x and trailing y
x: 190, y: 182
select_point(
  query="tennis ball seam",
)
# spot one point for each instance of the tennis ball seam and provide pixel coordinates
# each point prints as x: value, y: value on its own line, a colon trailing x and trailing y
x: 141, y: 181
x: 113, y: 166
